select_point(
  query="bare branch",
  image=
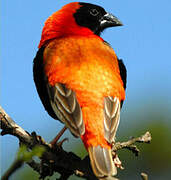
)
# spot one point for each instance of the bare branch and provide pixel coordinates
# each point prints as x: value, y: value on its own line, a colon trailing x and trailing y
x: 8, y: 126
x: 16, y: 165
x: 55, y: 159
x: 146, y: 138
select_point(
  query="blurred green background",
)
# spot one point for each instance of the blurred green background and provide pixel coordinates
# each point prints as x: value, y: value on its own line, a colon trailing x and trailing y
x: 154, y: 159
x: 144, y: 43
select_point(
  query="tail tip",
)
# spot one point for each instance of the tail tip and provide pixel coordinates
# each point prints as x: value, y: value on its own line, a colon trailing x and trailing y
x: 102, y: 162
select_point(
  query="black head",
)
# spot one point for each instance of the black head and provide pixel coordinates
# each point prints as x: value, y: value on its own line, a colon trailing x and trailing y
x: 95, y: 18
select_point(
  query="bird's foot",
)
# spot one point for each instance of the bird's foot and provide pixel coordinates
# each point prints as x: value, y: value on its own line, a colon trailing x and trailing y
x: 54, y: 143
x: 60, y: 143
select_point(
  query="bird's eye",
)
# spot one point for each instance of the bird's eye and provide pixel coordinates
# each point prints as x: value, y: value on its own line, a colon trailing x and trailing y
x: 94, y: 12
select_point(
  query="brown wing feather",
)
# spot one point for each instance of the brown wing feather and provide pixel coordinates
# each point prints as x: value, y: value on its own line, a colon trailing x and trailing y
x: 111, y: 117
x: 65, y: 105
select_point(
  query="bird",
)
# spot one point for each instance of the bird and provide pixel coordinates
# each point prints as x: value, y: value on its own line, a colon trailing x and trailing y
x: 81, y: 81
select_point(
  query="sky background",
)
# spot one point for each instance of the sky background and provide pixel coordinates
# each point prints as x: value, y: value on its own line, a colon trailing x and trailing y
x: 144, y: 44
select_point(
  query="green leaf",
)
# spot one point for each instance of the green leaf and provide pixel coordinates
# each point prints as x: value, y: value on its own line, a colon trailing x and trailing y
x: 25, y: 155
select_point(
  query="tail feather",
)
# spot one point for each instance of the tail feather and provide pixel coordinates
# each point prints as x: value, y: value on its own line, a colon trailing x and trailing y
x: 102, y: 162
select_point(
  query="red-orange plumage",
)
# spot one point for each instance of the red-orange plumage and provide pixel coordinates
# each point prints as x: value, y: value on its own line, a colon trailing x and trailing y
x: 91, y: 76
x: 81, y: 79
x: 55, y: 25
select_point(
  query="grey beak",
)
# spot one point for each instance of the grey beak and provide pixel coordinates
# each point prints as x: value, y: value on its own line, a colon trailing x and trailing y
x: 109, y: 20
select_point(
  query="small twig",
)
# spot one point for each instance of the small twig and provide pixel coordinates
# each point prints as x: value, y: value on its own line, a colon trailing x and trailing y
x: 144, y: 176
x: 53, y: 160
x: 146, y: 138
x: 8, y: 126
x: 16, y: 165
x: 56, y: 159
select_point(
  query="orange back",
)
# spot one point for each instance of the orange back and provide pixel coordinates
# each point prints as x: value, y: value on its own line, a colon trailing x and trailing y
x: 89, y: 67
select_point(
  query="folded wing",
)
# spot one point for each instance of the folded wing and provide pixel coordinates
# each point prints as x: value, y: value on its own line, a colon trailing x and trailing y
x: 111, y: 117
x: 66, y: 107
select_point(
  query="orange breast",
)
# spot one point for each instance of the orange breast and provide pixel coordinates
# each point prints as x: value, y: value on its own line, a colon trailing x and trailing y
x: 90, y: 68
